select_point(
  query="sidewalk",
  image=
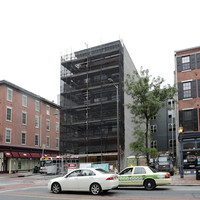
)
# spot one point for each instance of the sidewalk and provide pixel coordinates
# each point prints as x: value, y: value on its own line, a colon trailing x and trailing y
x: 187, y: 180
x: 176, y: 180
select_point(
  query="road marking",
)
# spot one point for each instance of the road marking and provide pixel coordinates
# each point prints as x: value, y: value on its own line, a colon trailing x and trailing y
x: 47, y: 197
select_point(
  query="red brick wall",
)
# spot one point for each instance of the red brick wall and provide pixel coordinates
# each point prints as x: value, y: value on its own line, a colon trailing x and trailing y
x: 189, y: 75
x: 16, y: 124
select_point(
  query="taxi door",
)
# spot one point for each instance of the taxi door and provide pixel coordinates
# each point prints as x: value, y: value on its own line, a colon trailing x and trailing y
x: 125, y: 176
x: 138, y: 175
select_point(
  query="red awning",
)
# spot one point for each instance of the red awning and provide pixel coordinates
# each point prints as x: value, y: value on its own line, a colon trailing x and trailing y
x: 24, y: 155
x: 15, y: 154
x: 35, y: 155
x: 8, y: 154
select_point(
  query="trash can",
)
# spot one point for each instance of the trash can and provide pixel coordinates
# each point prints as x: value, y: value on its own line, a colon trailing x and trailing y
x: 197, y: 172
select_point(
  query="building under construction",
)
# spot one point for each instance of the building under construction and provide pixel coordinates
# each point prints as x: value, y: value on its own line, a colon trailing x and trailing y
x: 91, y: 83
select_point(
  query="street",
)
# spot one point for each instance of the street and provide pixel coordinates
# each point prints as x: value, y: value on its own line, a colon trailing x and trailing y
x: 35, y: 187
x: 168, y: 192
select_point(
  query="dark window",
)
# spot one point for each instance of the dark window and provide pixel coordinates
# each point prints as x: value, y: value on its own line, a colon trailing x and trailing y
x: 188, y: 120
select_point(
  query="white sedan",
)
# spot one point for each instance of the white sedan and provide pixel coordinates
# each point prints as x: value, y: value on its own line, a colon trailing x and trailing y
x: 88, y: 179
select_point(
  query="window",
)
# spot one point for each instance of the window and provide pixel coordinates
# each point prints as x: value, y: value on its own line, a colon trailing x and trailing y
x: 57, y: 143
x: 153, y: 128
x: 170, y: 143
x: 48, y: 124
x: 36, y: 121
x: 24, y: 118
x: 8, y: 135
x: 127, y: 171
x: 36, y: 140
x: 48, y: 110
x: 48, y: 141
x: 139, y: 170
x: 87, y: 173
x: 9, y: 94
x: 57, y: 113
x: 8, y: 114
x: 37, y: 106
x: 75, y: 173
x: 187, y: 91
x: 24, y: 100
x: 171, y: 127
x: 23, y: 138
x: 188, y: 120
x: 57, y: 127
x: 154, y: 144
x: 171, y: 103
x: 153, y: 118
x: 186, y: 63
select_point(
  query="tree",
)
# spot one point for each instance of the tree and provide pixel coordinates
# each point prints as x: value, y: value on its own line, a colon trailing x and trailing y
x: 148, y: 97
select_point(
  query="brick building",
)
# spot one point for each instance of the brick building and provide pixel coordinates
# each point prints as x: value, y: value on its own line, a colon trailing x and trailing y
x: 187, y: 64
x: 29, y: 127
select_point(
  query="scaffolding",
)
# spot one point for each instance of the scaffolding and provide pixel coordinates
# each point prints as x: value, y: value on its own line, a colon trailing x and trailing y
x: 88, y: 100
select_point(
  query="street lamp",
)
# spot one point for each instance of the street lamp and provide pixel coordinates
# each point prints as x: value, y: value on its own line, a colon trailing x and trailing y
x: 118, y: 149
x: 180, y: 130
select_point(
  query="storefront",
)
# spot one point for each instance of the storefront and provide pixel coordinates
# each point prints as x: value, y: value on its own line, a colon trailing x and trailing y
x: 189, y: 150
x: 13, y: 162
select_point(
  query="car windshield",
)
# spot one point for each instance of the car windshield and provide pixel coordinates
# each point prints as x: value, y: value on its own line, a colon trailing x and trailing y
x: 163, y: 159
x: 102, y: 171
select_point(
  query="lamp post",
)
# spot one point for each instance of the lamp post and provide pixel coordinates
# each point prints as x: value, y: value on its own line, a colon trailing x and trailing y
x: 118, y: 149
x: 180, y: 130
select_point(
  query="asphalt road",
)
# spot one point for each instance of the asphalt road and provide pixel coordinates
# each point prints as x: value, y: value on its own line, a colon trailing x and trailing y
x: 34, y: 192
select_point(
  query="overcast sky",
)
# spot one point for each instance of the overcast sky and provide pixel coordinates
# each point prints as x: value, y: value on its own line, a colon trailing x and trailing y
x: 34, y: 34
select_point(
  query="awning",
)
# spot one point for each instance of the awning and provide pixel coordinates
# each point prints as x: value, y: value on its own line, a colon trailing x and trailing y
x: 24, y: 155
x: 8, y: 154
x: 35, y: 155
x: 15, y: 154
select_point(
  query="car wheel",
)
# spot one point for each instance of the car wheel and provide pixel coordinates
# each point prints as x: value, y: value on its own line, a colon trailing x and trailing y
x: 95, y: 189
x: 149, y: 184
x: 56, y: 188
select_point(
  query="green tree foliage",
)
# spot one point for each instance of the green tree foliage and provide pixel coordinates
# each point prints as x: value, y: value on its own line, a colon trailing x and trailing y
x: 148, y: 96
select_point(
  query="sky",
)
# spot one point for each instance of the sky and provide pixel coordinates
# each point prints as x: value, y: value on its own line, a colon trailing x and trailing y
x: 35, y: 33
